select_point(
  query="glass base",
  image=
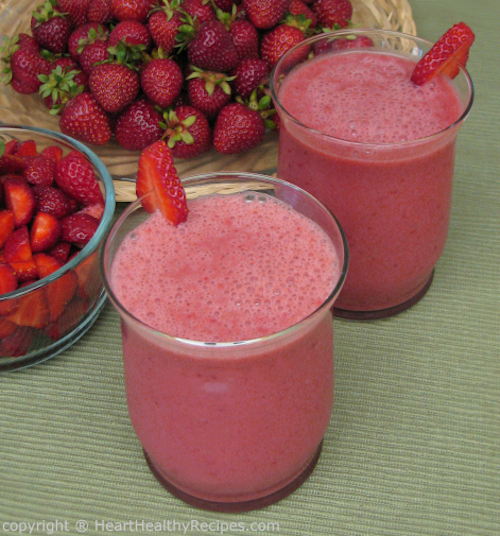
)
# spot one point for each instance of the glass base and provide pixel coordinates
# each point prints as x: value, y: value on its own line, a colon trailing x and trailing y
x: 236, y: 507
x: 385, y: 313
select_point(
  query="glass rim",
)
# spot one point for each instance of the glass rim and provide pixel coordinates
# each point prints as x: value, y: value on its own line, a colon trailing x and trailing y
x: 107, y: 217
x: 219, y: 177
x: 360, y: 31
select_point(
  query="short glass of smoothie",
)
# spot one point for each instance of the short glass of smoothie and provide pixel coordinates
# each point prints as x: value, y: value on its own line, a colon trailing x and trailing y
x: 228, y: 336
x: 378, y: 151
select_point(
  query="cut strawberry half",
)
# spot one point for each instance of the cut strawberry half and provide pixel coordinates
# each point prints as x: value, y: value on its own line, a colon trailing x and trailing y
x: 32, y: 310
x: 157, y: 174
x: 26, y: 148
x: 19, y: 199
x: 446, y: 56
x: 45, y: 232
x: 7, y: 225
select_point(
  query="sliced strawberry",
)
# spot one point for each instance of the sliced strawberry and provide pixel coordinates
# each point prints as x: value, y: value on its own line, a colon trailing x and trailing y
x: 10, y: 147
x: 60, y: 251
x: 32, y: 310
x: 89, y: 278
x: 45, y: 232
x: 7, y: 225
x: 53, y: 153
x: 6, y: 328
x: 157, y: 174
x: 17, y: 252
x: 78, y: 228
x: 60, y: 291
x: 75, y: 176
x: 26, y: 148
x: 8, y: 283
x: 446, y: 56
x: 17, y: 343
x: 19, y: 198
x: 96, y: 210
x: 72, y: 315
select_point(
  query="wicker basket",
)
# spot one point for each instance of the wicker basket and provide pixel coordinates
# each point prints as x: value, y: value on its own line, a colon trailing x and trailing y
x: 15, y: 17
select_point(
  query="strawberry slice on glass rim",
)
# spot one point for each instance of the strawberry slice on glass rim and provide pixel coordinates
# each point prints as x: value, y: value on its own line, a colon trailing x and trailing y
x: 446, y: 56
x: 157, y: 174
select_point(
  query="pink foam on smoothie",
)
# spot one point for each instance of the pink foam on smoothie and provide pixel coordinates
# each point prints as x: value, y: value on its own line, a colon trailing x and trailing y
x: 368, y: 97
x: 236, y: 270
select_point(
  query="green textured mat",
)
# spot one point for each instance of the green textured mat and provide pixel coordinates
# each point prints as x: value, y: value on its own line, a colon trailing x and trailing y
x: 413, y: 447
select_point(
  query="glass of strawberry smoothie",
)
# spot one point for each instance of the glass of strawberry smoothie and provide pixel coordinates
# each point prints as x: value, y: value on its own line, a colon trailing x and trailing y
x: 228, y: 336
x: 378, y: 151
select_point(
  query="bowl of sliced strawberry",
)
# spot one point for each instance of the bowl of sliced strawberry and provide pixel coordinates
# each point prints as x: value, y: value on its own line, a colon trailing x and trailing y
x: 56, y: 204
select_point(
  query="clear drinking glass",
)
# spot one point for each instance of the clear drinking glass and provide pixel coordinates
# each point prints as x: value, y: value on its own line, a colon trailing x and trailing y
x: 231, y: 426
x: 392, y: 197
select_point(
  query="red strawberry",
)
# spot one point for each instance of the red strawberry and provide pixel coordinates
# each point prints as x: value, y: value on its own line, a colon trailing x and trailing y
x: 84, y: 35
x: 138, y: 125
x: 164, y: 26
x: 100, y: 11
x: 78, y: 229
x: 64, y: 82
x: 245, y: 38
x: 75, y: 176
x: 17, y: 252
x: 7, y: 225
x: 249, y: 74
x: 60, y: 291
x: 446, y: 56
x: 209, y: 92
x: 73, y: 313
x: 19, y: 199
x: 53, y: 152
x: 212, y: 48
x: 8, y: 283
x: 45, y: 232
x: 278, y: 41
x: 130, y: 32
x: 39, y: 170
x: 26, y: 148
x: 161, y: 81
x: 85, y: 120
x: 298, y: 7
x: 130, y: 9
x: 60, y: 251
x: 52, y: 201
x: 50, y: 28
x: 333, y: 13
x: 76, y: 10
x: 188, y: 132
x: 92, y: 54
x: 11, y: 163
x: 32, y: 310
x: 89, y: 277
x: 27, y: 64
x: 113, y: 86
x: 157, y: 174
x: 265, y: 14
x: 201, y: 9
x: 6, y: 328
x: 96, y: 210
x: 17, y: 343
x: 237, y: 129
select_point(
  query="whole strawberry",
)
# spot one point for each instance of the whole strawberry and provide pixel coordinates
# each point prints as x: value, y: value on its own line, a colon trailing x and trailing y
x: 76, y: 10
x: 278, y: 41
x: 164, y: 25
x: 265, y: 14
x: 161, y: 80
x: 100, y: 11
x: 85, y: 35
x: 138, y: 125
x: 249, y: 74
x: 201, y: 9
x: 208, y: 91
x: 93, y: 54
x: 245, y: 38
x: 83, y: 119
x: 75, y: 176
x: 50, y: 28
x: 237, y: 129
x: 131, y: 9
x: 298, y: 7
x: 130, y: 32
x: 212, y: 48
x: 333, y: 13
x: 113, y: 85
x: 187, y: 131
x: 27, y: 64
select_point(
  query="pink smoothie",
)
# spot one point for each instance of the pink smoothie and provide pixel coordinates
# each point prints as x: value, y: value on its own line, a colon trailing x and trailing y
x: 232, y: 422
x: 380, y: 167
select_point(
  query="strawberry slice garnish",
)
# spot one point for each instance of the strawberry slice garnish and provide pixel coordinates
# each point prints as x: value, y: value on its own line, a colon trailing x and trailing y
x: 446, y: 56
x: 19, y: 198
x: 17, y: 252
x: 157, y: 174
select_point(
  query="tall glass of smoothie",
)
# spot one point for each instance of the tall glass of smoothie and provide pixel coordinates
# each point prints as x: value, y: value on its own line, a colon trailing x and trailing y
x: 228, y: 336
x: 378, y: 151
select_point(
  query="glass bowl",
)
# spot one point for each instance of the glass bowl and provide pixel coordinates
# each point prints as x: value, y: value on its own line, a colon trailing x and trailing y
x: 25, y: 345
